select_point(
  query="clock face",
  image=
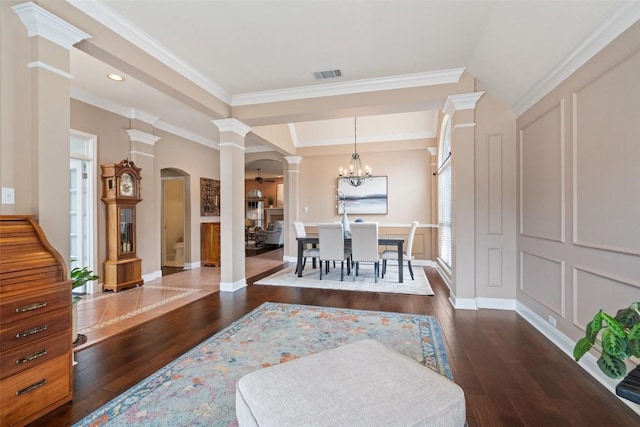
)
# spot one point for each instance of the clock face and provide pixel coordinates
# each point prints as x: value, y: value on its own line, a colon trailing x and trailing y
x: 126, y: 185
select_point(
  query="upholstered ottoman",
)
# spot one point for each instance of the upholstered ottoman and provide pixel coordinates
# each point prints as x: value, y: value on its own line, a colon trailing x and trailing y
x: 359, y: 384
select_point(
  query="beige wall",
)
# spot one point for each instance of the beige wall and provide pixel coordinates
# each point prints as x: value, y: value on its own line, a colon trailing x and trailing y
x: 193, y: 160
x: 578, y: 185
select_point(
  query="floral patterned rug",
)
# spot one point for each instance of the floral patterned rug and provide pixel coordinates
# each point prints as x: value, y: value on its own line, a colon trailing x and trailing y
x: 198, y: 388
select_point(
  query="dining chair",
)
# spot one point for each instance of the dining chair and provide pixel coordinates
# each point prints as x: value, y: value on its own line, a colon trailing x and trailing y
x: 331, y: 240
x: 364, y: 246
x: 392, y: 254
x: 307, y: 252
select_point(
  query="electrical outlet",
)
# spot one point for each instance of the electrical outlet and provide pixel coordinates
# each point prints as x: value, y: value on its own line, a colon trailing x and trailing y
x: 8, y: 196
x: 552, y: 320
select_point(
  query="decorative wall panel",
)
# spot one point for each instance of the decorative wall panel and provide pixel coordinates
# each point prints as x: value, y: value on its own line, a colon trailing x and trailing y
x: 542, y: 176
x: 494, y: 270
x: 607, y: 113
x: 542, y: 279
x: 613, y: 293
x: 494, y: 185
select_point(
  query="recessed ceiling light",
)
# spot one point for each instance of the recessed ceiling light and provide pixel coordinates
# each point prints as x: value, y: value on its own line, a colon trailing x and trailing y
x: 116, y: 77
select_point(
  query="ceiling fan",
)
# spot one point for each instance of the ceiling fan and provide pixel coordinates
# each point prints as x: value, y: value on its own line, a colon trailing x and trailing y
x: 260, y: 179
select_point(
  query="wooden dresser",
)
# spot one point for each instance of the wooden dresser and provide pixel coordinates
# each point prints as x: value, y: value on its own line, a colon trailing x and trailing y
x: 210, y: 244
x: 36, y: 352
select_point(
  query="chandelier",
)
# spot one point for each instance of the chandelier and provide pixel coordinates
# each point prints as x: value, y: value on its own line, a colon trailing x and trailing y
x: 355, y: 175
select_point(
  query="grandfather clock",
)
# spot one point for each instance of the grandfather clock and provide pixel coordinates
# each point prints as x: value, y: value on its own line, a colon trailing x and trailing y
x: 121, y: 194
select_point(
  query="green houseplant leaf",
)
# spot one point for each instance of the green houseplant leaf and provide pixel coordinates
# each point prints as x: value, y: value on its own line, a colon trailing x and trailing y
x: 612, y: 366
x: 79, y: 277
x: 619, y: 339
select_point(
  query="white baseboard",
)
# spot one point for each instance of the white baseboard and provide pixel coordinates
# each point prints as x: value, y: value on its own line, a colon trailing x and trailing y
x: 588, y: 362
x: 496, y: 303
x: 192, y: 265
x: 152, y: 276
x: 233, y: 286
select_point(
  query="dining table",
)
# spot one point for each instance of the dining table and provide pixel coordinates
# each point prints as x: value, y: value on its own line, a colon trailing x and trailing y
x: 313, y: 239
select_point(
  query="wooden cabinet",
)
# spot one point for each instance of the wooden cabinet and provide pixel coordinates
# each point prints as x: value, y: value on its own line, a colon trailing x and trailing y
x: 36, y: 352
x: 210, y: 244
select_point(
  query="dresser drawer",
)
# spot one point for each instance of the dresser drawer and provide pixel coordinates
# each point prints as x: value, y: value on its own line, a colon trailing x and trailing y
x: 35, y: 328
x: 22, y: 307
x: 25, y: 357
x: 31, y: 391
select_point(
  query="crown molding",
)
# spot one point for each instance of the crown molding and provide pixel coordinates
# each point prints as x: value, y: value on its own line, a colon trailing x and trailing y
x: 117, y: 23
x: 346, y: 88
x: 620, y: 20
x: 143, y: 116
x: 40, y: 22
x: 112, y: 107
x: 136, y: 135
x: 183, y: 133
x: 231, y: 125
x: 132, y: 113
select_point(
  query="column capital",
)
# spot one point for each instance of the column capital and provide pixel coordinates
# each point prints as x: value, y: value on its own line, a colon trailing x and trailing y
x: 232, y: 125
x: 41, y: 22
x: 462, y: 101
x: 293, y: 160
x: 136, y: 135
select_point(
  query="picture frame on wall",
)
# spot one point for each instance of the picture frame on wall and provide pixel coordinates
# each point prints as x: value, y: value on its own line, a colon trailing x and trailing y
x: 209, y: 197
x: 371, y: 197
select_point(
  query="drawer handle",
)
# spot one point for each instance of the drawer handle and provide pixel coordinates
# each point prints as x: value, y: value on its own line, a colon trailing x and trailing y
x: 31, y: 357
x: 31, y: 331
x: 31, y: 307
x: 31, y: 387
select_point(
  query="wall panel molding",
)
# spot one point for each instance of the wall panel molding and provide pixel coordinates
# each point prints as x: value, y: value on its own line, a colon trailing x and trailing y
x: 494, y: 184
x: 534, y: 289
x: 494, y: 268
x: 634, y: 286
x: 542, y: 187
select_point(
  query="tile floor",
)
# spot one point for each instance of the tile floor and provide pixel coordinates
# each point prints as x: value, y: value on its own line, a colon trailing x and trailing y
x: 105, y: 314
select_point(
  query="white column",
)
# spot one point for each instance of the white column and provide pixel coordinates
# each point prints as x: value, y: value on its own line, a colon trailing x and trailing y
x: 461, y: 109
x: 292, y: 205
x: 232, y: 151
x: 48, y: 191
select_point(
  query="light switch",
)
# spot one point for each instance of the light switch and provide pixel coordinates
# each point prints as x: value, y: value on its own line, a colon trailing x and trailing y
x: 306, y: 209
x: 8, y: 196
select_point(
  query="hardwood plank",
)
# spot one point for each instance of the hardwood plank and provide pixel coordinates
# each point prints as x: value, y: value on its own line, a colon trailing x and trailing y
x: 511, y: 374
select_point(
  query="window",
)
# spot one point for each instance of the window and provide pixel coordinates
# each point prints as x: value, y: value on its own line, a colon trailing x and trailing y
x: 444, y: 193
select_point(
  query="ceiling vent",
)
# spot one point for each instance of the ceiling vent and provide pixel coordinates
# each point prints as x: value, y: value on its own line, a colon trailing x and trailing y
x: 327, y: 74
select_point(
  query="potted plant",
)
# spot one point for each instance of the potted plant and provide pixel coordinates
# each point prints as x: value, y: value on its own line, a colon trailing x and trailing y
x: 79, y: 276
x: 270, y: 200
x: 619, y: 339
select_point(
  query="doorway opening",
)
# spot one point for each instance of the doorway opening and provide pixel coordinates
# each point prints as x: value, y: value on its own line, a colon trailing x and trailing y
x: 83, y: 205
x: 174, y: 237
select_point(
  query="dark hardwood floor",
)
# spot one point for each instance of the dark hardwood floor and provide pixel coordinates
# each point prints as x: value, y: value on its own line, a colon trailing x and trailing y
x: 510, y: 373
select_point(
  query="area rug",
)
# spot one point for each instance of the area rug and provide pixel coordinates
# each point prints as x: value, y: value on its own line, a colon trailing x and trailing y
x: 365, y: 280
x: 198, y: 388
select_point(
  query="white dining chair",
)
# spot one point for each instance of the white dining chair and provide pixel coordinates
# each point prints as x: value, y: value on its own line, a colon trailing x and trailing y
x: 364, y: 246
x: 392, y: 254
x: 307, y: 252
x: 331, y: 240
